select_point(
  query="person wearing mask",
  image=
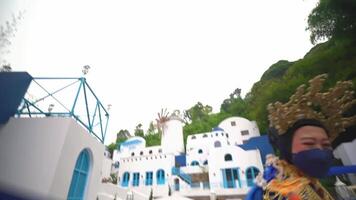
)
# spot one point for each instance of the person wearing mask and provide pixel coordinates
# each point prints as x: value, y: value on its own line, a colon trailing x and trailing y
x: 302, y: 131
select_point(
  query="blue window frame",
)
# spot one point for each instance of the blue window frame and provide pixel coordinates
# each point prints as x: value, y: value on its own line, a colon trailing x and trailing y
x: 230, y: 177
x: 79, y: 177
x: 251, y: 174
x: 149, y: 178
x: 194, y: 163
x: 125, y: 179
x: 136, y: 179
x: 160, y: 177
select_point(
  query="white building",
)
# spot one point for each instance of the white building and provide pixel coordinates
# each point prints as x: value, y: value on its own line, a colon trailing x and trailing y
x: 213, y: 162
x: 54, y: 155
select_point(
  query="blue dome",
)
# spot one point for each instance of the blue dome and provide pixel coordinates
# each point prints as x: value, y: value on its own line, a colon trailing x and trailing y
x: 217, y: 129
x: 131, y: 142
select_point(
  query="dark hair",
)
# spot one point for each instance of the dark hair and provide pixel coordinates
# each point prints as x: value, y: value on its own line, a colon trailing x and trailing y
x: 284, y: 142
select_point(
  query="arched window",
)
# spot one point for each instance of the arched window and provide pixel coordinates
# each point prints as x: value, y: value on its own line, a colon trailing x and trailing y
x: 194, y: 163
x: 228, y: 157
x: 251, y: 174
x: 205, y: 135
x: 193, y: 137
x: 141, y: 153
x: 80, y: 176
x: 150, y: 152
x: 217, y: 144
x: 205, y: 162
x: 125, y: 179
x: 200, y: 151
x: 160, y: 177
x: 117, y: 164
x: 132, y: 154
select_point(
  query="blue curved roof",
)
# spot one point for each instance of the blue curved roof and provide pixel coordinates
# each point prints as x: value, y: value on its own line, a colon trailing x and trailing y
x: 217, y: 129
x: 131, y: 142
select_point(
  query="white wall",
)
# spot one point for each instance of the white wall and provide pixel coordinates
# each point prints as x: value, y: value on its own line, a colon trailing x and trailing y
x: 172, y: 136
x: 206, y: 140
x: 240, y: 158
x: 38, y: 155
x: 106, y: 168
x: 241, y: 124
x: 143, y: 164
x: 346, y: 152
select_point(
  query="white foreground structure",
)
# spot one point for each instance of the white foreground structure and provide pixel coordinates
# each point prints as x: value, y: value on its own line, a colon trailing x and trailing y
x: 38, y: 158
x: 213, y: 164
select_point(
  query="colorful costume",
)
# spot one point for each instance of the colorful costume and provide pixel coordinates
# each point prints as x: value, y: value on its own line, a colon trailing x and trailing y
x: 295, y: 176
x: 293, y: 184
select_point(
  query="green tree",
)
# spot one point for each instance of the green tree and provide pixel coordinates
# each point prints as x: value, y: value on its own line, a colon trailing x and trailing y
x: 153, y: 139
x: 111, y: 148
x: 138, y: 130
x: 197, y: 112
x: 332, y: 18
x: 234, y: 105
x: 151, y: 128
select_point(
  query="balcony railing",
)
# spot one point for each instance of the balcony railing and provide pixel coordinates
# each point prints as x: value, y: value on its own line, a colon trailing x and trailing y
x: 66, y: 97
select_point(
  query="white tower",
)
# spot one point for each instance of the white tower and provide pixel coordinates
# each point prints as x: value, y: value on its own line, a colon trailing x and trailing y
x: 172, y: 134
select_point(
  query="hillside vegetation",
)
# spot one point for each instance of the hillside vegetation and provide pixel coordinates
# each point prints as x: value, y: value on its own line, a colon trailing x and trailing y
x: 337, y: 58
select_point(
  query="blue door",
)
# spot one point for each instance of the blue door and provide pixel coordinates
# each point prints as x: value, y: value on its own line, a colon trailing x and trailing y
x: 230, y: 176
x: 80, y: 177
x: 136, y: 179
x: 125, y: 179
x: 160, y: 177
x: 251, y: 174
x: 149, y: 176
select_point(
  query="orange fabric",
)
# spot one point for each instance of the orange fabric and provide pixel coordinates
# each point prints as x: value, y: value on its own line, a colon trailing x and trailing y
x: 294, y: 185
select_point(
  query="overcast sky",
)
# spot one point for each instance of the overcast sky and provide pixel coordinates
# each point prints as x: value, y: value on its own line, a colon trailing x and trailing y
x: 151, y: 54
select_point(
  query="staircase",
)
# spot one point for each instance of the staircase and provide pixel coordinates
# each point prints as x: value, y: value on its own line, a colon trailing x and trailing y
x: 185, y: 177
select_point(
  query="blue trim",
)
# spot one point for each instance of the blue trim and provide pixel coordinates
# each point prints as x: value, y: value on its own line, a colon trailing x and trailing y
x: 131, y: 142
x: 35, y: 108
x: 237, y: 170
x: 338, y: 170
x: 235, y: 175
x: 149, y: 178
x: 160, y: 177
x: 224, y: 178
x: 261, y: 143
x: 76, y: 97
x: 125, y: 179
x: 136, y: 179
x: 80, y: 177
x: 253, y: 172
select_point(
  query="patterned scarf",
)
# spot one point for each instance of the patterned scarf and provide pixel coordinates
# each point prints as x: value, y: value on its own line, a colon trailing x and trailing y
x: 291, y: 184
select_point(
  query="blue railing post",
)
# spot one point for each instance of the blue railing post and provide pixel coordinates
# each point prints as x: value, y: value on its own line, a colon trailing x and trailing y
x: 76, y: 97
x: 37, y: 107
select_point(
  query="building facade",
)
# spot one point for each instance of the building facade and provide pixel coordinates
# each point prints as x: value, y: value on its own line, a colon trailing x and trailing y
x: 212, y: 161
